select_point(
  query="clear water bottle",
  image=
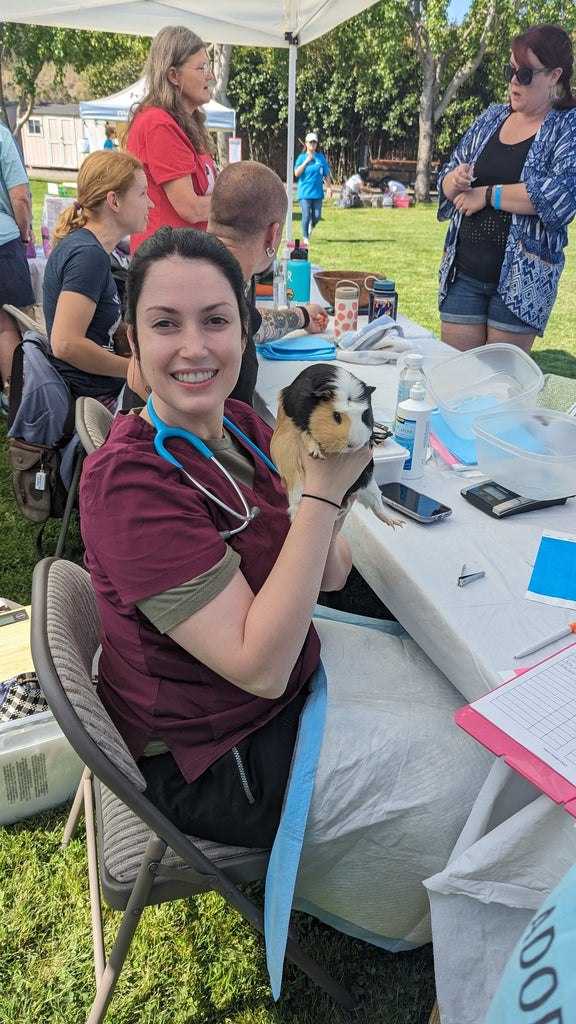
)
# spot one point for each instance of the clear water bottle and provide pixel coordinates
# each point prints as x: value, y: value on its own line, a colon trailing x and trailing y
x: 411, y: 373
x: 280, y: 270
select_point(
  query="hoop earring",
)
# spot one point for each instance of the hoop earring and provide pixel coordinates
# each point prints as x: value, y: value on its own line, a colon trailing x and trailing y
x: 270, y: 252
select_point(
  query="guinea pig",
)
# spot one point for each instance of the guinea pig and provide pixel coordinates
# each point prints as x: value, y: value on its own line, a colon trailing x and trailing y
x: 331, y: 411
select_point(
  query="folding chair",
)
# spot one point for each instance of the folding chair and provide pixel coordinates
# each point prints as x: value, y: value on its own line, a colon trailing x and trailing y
x: 135, y: 854
x: 93, y: 422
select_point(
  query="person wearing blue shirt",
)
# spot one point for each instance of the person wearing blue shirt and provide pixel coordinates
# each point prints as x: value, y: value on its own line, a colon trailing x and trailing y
x: 111, y: 137
x: 15, y: 226
x: 311, y: 170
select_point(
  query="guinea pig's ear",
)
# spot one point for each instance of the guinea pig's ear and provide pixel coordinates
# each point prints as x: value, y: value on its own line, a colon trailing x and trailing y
x: 324, y: 391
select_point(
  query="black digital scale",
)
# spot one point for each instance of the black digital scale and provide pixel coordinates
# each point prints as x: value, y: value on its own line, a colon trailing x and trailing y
x: 498, y: 501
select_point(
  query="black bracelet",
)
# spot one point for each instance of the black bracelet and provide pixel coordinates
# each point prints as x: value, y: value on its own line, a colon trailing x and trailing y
x: 306, y: 316
x: 325, y: 500
x: 489, y: 195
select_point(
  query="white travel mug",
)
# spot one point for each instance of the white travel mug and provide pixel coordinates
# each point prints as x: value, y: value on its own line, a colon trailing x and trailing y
x: 346, y: 295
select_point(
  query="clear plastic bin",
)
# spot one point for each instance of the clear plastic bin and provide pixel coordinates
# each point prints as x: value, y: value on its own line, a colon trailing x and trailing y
x: 530, y: 451
x: 38, y: 767
x: 475, y: 382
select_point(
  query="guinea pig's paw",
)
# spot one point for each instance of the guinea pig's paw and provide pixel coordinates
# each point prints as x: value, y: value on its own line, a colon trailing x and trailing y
x: 389, y: 520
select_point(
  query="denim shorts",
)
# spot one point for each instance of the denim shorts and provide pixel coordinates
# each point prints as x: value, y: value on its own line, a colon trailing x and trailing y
x: 483, y: 305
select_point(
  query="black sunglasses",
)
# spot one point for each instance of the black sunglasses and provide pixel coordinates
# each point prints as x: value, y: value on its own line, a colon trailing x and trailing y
x: 524, y: 76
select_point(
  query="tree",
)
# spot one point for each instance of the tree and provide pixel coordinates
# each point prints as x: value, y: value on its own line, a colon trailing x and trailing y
x: 29, y: 47
x: 221, y: 60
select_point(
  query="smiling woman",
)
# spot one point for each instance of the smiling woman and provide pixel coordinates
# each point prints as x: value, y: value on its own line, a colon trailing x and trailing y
x: 167, y: 131
x: 208, y: 645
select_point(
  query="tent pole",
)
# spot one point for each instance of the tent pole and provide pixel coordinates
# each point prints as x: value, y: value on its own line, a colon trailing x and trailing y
x: 292, y: 57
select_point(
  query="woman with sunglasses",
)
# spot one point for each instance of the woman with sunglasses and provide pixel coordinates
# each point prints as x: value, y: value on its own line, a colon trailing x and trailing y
x: 509, y: 191
x: 168, y: 134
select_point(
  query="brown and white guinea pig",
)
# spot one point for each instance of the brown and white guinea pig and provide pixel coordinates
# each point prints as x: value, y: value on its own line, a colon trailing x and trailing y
x: 331, y: 411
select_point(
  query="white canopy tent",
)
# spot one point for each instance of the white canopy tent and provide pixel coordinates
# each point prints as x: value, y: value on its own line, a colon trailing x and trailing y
x: 278, y: 23
x: 95, y: 113
x: 117, y: 108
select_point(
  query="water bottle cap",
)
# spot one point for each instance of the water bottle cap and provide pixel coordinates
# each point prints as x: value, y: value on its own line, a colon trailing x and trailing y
x: 384, y: 286
x: 413, y: 359
x: 298, y: 253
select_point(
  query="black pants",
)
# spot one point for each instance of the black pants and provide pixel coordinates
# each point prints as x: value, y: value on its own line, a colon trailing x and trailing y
x: 238, y: 800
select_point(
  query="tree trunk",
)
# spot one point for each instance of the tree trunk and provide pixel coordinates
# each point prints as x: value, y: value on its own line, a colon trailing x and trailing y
x: 3, y: 113
x: 222, y: 53
x: 426, y: 131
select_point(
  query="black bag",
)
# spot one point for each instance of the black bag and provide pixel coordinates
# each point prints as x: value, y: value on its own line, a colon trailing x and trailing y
x: 40, y: 426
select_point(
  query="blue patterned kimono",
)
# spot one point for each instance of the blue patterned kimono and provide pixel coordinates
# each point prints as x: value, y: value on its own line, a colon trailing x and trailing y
x: 534, y: 256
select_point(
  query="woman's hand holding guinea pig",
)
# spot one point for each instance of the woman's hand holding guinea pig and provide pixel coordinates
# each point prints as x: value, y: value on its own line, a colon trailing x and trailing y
x: 331, y: 476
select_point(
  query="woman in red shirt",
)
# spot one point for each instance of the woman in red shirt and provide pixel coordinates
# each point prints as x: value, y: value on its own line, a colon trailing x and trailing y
x: 167, y: 132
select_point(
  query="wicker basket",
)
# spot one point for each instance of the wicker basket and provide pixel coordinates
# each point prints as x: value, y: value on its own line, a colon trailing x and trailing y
x: 328, y: 279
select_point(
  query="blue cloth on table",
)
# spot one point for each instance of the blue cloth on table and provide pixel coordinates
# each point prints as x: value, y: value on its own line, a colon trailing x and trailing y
x: 299, y: 348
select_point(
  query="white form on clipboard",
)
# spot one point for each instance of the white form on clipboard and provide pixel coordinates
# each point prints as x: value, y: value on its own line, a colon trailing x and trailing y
x: 531, y: 721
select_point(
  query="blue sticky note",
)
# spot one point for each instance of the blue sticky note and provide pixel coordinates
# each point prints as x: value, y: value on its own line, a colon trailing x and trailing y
x: 553, y: 579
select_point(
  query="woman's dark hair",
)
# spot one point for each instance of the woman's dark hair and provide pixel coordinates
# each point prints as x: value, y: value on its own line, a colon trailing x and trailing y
x: 553, y: 48
x: 188, y: 244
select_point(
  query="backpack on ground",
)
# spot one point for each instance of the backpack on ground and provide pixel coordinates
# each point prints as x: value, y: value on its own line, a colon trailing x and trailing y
x: 42, y: 438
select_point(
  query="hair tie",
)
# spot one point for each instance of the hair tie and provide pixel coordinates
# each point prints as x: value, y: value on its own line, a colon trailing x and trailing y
x: 77, y: 206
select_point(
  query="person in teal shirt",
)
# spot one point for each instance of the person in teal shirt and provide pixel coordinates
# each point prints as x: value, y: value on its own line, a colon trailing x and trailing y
x: 111, y: 137
x: 311, y: 171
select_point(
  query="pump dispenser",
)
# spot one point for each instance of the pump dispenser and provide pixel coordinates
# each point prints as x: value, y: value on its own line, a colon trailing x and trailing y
x: 412, y: 431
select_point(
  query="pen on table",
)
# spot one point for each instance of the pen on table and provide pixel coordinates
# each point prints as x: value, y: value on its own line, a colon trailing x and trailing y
x: 571, y: 628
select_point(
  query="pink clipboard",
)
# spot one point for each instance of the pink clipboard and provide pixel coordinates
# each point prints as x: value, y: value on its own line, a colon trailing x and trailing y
x: 517, y: 756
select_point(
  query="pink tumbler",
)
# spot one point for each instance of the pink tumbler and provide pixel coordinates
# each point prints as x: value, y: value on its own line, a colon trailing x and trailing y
x: 346, y: 295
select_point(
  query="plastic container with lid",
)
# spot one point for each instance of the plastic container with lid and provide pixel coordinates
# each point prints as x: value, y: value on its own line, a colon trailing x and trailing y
x: 472, y: 383
x: 389, y: 458
x: 530, y: 451
x: 383, y: 299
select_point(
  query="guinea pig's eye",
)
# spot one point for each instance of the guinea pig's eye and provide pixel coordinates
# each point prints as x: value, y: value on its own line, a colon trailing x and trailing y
x: 337, y: 417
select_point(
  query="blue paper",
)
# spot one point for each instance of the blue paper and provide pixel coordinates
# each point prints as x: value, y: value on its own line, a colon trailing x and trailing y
x: 463, y: 450
x: 553, y: 579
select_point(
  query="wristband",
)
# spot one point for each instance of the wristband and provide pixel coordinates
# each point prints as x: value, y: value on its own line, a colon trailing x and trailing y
x: 497, y: 193
x: 306, y: 316
x: 325, y: 500
x: 489, y: 195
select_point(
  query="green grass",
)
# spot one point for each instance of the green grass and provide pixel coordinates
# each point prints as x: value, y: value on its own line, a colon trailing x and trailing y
x: 192, y: 962
x: 197, y: 962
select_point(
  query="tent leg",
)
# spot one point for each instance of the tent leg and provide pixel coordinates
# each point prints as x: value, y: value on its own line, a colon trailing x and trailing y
x: 292, y: 58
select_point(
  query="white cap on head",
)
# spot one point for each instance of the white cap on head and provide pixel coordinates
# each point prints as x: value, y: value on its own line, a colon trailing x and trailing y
x: 311, y: 137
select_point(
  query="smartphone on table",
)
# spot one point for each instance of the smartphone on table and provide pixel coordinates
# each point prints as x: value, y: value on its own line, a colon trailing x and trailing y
x: 415, y: 505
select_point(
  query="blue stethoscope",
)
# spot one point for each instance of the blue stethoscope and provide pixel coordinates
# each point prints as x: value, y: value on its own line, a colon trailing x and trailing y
x: 163, y: 432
